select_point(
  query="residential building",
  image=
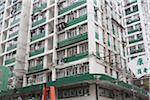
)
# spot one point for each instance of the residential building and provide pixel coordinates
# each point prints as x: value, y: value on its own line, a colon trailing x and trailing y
x: 14, y: 29
x: 137, y: 23
x: 78, y: 46
x: 136, y: 17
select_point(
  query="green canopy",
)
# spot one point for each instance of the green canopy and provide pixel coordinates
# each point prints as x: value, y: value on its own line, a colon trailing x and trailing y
x: 5, y: 74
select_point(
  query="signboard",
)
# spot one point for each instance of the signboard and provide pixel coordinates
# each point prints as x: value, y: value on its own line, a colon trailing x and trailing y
x: 139, y: 66
x: 5, y: 74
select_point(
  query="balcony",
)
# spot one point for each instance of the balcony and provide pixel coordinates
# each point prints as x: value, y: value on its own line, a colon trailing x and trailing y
x: 134, y: 30
x: 38, y: 22
x: 137, y: 40
x: 15, y: 21
x: 132, y: 21
x: 36, y: 52
x: 76, y: 57
x: 130, y: 12
x: 38, y: 36
x: 74, y: 5
x: 13, y: 34
x: 134, y: 1
x: 12, y: 47
x: 73, y: 40
x: 77, y: 20
x: 39, y: 9
x: 10, y: 61
x: 36, y: 68
x: 137, y: 51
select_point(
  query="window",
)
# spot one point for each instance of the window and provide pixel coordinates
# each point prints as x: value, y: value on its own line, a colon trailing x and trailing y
x: 138, y: 26
x: 95, y: 14
x: 130, y: 28
x: 31, y: 63
x: 97, y: 49
x: 106, y: 93
x: 135, y: 8
x: 117, y: 74
x: 72, y: 33
x: 83, y: 47
x: 37, y: 45
x: 35, y: 62
x: 14, y: 29
x: 60, y: 73
x: 139, y: 36
x: 61, y: 54
x: 73, y: 92
x: 96, y: 28
x: 39, y: 17
x: 133, y: 48
x: 111, y: 72
x: 82, y: 11
x: 70, y: 2
x: 73, y: 70
x: 127, y: 11
x: 38, y: 31
x: 137, y: 17
x: 10, y: 55
x: 61, y: 37
x: 83, y: 28
x: 83, y: 68
x: 39, y: 60
x: 72, y: 51
x: 12, y: 42
x: 131, y: 38
x: 105, y: 69
x: 39, y: 78
x: 72, y: 15
x: 141, y: 46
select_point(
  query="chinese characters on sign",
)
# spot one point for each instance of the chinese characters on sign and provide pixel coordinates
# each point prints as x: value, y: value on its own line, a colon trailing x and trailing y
x: 139, y: 66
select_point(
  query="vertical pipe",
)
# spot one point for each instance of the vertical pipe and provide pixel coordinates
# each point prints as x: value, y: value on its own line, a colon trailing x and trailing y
x: 52, y: 93
x: 96, y: 91
x: 44, y: 92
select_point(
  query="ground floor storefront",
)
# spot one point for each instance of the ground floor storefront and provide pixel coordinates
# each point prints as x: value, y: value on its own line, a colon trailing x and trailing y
x: 80, y: 87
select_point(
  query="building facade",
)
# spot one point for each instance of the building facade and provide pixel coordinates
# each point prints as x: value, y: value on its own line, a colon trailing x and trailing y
x: 136, y: 17
x: 14, y: 30
x: 78, y: 46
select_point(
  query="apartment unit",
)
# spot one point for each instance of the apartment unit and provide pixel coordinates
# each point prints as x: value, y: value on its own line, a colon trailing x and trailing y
x: 13, y: 35
x: 136, y: 16
x: 78, y: 46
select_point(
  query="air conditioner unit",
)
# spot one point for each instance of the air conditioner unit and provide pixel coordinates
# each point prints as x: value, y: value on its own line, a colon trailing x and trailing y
x: 61, y: 26
x: 96, y: 8
x: 107, y: 17
x: 15, y: 1
x: 13, y: 11
x: 60, y: 61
